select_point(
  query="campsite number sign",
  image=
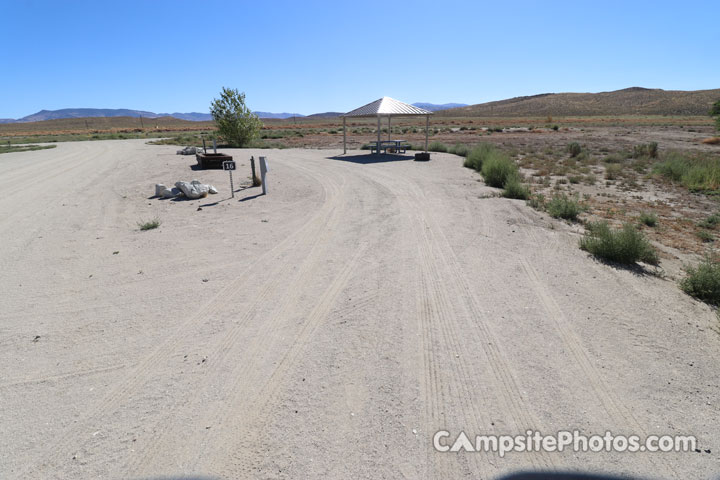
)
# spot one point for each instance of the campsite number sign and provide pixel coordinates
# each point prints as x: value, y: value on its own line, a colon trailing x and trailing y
x: 229, y: 165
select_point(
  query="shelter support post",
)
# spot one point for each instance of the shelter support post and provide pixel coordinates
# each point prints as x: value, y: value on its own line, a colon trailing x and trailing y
x: 344, y: 138
x: 427, y: 130
x: 389, y: 129
x: 378, y: 132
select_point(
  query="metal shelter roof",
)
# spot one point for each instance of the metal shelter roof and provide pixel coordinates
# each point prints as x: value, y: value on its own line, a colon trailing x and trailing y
x: 386, y: 106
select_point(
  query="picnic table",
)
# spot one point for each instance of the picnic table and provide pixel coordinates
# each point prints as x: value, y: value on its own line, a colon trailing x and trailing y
x: 397, y: 146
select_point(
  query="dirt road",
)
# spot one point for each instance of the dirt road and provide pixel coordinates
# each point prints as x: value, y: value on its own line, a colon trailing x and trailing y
x: 328, y: 329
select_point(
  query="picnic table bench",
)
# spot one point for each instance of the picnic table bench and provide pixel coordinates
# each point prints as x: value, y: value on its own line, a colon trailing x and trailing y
x: 397, y: 146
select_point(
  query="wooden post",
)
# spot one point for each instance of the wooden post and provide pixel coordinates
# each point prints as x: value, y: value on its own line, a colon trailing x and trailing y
x: 344, y: 138
x: 255, y: 179
x: 389, y: 127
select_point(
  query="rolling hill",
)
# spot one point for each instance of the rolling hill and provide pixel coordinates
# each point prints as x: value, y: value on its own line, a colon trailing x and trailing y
x: 629, y: 101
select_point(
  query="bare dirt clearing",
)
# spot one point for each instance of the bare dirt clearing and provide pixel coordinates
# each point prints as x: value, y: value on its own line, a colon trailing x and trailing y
x: 327, y: 329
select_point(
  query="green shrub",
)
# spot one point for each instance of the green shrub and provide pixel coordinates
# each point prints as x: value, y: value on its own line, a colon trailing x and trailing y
x: 583, y: 157
x: 645, y: 150
x: 614, y: 158
x: 673, y: 167
x: 590, y: 179
x: 697, y: 174
x: 562, y: 206
x: 705, y: 236
x: 437, y: 147
x: 703, y: 281
x: 478, y: 155
x: 703, y: 177
x: 574, y: 149
x: 514, y: 188
x: 497, y: 168
x: 711, y: 222
x: 715, y: 112
x: 649, y: 219
x: 537, y: 201
x: 460, y: 150
x: 149, y: 225
x: 612, y: 171
x: 627, y: 245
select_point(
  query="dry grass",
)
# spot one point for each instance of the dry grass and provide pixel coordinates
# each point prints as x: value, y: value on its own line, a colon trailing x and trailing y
x: 23, y: 148
x: 101, y: 125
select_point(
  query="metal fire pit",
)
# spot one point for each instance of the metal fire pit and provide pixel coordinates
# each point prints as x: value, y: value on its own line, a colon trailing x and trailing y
x: 211, y: 160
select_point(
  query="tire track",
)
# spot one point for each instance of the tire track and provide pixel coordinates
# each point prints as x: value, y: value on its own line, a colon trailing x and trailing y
x: 39, y: 164
x: 435, y: 315
x: 613, y: 406
x: 432, y: 257
x: 44, y: 167
x: 257, y: 413
x: 142, y: 372
x: 30, y: 199
x: 505, y: 383
x: 280, y: 279
x: 266, y: 337
x: 61, y: 376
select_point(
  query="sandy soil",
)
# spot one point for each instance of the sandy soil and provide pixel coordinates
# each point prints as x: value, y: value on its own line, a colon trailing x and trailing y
x: 328, y: 329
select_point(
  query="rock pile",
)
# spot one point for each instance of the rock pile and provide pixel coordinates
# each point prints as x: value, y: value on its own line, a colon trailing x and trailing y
x: 191, y: 190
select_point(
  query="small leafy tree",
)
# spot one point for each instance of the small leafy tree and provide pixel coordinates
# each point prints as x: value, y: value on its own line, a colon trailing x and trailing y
x: 235, y: 122
x: 715, y: 112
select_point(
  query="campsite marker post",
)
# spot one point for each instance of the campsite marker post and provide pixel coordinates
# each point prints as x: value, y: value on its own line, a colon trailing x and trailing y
x: 229, y: 165
x: 263, y: 172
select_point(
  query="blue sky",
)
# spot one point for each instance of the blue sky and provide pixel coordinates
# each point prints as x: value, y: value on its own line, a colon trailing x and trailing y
x: 307, y: 56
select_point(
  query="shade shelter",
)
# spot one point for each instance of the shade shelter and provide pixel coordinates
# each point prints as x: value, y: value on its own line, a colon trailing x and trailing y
x: 386, y: 107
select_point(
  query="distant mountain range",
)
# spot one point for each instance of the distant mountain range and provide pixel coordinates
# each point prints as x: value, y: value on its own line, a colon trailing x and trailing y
x: 277, y: 115
x: 192, y: 116
x: 436, y: 108
x: 103, y: 112
x: 325, y: 115
x: 628, y: 101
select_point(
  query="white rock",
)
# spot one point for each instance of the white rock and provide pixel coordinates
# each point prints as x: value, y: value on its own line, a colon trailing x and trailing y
x: 170, y: 193
x: 159, y: 187
x: 193, y: 190
x: 212, y: 189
